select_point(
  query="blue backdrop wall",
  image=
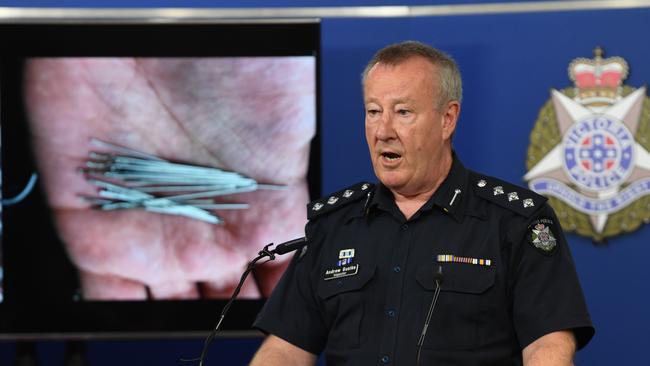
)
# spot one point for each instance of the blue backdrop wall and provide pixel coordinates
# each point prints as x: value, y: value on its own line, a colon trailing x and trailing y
x: 509, y: 64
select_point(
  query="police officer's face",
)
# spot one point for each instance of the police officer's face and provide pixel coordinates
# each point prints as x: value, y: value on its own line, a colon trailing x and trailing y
x: 407, y: 135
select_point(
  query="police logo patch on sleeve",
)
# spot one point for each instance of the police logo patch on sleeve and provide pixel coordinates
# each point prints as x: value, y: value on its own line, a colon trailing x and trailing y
x: 541, y: 236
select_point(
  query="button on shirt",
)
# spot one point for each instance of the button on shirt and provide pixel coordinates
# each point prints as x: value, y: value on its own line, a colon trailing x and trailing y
x: 373, y: 313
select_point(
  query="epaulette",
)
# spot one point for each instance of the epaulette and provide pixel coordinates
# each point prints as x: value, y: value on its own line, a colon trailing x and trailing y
x: 520, y: 200
x: 337, y: 200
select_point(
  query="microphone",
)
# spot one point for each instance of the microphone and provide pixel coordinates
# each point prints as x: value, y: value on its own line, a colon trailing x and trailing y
x: 289, y: 246
x: 437, y: 278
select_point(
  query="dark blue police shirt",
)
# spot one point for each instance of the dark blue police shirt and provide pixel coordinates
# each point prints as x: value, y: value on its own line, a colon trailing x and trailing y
x: 508, y: 277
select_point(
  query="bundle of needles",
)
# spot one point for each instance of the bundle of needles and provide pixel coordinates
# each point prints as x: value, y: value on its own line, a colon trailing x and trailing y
x: 131, y: 179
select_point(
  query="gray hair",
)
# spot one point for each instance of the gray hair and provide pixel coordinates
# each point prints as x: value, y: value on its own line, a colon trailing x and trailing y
x: 451, y: 85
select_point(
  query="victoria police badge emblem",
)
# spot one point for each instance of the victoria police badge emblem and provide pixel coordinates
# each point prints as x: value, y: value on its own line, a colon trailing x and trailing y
x: 589, y: 150
x: 542, y: 237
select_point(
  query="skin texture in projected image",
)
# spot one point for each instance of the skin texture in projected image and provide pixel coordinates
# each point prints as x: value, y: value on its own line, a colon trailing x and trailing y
x: 255, y: 116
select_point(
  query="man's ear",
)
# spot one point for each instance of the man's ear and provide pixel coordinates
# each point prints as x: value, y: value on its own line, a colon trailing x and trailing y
x: 450, y: 115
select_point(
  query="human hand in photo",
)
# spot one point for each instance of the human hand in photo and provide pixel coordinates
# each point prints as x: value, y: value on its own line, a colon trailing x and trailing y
x: 255, y: 116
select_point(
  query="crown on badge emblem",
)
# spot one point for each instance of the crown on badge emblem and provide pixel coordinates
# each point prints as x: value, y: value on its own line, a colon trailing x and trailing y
x: 598, y: 81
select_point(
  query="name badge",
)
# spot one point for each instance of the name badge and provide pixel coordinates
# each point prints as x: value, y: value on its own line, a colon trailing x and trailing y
x: 344, y: 266
x: 339, y: 272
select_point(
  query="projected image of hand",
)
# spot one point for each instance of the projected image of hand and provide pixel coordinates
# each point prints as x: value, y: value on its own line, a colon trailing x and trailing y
x: 255, y: 116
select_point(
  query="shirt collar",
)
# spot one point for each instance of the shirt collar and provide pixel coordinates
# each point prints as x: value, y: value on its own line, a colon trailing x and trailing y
x: 450, y: 196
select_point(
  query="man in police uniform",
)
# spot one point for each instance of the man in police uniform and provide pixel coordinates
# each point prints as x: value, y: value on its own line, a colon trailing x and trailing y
x: 363, y: 288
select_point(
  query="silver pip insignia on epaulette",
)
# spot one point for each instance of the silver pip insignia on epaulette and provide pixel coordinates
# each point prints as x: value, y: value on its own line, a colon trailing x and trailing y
x: 337, y: 200
x: 518, y: 199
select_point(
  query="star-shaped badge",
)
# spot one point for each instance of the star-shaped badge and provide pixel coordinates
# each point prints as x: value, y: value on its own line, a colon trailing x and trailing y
x: 595, y: 164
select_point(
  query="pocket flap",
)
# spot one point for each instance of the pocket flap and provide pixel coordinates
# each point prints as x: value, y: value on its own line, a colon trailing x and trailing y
x: 458, y: 277
x: 329, y: 288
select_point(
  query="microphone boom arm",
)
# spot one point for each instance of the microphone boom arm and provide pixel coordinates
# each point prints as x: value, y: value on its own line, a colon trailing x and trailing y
x: 280, y: 249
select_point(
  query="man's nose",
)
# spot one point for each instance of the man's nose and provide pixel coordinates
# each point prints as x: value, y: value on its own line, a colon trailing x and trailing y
x: 385, y: 127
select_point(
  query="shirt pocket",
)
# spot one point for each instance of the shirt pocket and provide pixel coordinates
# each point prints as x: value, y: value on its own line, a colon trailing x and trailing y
x: 345, y: 304
x: 460, y: 308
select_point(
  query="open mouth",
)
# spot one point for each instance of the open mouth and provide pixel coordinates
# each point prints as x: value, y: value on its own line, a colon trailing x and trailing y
x: 390, y: 156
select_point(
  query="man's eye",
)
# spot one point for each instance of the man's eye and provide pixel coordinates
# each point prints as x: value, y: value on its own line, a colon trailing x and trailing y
x: 372, y: 112
x: 404, y: 112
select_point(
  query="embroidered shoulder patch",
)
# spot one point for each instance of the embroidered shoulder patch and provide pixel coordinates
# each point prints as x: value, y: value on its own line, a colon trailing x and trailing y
x: 541, y: 236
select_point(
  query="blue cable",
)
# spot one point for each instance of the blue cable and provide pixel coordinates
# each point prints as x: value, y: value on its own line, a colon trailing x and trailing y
x: 21, y: 196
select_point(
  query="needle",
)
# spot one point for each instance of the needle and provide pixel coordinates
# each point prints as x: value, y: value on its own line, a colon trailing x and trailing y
x: 131, y: 179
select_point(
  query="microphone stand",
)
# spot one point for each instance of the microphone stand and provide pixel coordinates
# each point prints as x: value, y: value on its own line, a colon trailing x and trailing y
x: 437, y: 279
x: 280, y: 249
